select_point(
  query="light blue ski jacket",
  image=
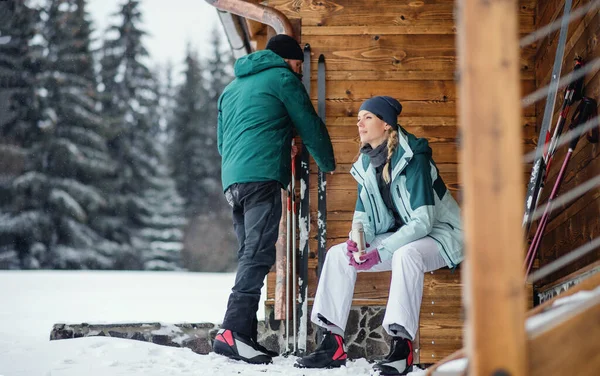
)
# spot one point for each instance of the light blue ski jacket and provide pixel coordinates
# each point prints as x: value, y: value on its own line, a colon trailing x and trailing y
x: 420, y: 197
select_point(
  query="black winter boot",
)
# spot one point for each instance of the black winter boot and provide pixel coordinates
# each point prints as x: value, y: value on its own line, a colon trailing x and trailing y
x: 238, y: 347
x: 331, y: 353
x: 399, y: 361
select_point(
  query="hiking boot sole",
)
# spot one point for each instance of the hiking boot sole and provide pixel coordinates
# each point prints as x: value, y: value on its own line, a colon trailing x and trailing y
x: 332, y: 364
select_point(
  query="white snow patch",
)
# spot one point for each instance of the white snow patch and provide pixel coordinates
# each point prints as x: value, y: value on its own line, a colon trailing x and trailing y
x: 303, y: 226
x: 32, y: 301
x: 560, y: 307
x: 456, y: 366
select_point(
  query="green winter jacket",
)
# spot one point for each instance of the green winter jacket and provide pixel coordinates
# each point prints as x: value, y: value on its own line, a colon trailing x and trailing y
x: 420, y: 197
x: 257, y: 113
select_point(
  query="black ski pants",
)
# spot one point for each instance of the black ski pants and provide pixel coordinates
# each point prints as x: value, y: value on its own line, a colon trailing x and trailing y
x: 256, y: 214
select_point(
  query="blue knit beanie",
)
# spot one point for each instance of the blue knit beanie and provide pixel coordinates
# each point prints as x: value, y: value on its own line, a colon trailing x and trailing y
x: 386, y: 108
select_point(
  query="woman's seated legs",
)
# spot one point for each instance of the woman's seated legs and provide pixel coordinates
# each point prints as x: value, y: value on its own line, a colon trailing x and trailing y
x: 409, y: 264
x: 334, y: 292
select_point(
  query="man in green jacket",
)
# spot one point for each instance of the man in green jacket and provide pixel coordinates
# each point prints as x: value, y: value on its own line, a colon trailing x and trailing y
x: 257, y: 114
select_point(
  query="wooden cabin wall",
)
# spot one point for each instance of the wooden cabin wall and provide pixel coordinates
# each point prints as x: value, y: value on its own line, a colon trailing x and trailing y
x: 405, y: 49
x: 386, y: 47
x: 576, y: 222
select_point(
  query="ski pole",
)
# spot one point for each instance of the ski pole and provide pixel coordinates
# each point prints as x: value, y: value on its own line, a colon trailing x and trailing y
x: 294, y: 268
x: 287, y: 270
x: 583, y: 112
x: 303, y: 222
x: 573, y: 92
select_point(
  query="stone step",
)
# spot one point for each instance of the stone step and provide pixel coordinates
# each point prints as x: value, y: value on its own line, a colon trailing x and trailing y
x: 196, y: 336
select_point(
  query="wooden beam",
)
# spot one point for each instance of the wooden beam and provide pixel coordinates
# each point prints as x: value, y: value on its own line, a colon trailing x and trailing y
x: 569, y: 345
x: 585, y: 285
x: 491, y: 167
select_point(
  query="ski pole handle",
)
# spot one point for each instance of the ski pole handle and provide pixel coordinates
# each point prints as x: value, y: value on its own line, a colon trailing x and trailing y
x: 574, y: 90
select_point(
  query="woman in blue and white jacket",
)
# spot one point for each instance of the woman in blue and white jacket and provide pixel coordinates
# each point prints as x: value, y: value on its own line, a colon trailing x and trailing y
x: 412, y: 225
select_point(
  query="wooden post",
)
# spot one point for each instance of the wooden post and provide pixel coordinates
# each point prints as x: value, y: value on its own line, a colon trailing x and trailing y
x: 492, y: 175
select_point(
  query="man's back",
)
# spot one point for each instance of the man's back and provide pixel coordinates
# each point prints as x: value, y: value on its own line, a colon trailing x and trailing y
x: 256, y: 114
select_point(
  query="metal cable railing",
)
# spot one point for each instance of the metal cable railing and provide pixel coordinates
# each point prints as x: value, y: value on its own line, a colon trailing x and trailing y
x: 577, y: 129
x: 563, y: 82
x: 561, y: 262
x: 552, y: 27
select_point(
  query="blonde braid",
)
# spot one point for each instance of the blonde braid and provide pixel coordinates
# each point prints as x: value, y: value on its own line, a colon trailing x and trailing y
x: 392, y: 143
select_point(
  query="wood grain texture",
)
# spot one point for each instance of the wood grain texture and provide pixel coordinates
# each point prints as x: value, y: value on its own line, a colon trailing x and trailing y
x: 491, y: 170
x: 432, y: 90
x: 406, y: 50
x: 437, y: 14
x: 402, y: 52
x: 579, y: 331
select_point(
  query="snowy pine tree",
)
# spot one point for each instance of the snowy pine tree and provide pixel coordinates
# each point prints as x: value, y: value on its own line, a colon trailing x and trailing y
x: 20, y: 111
x: 62, y: 196
x: 144, y: 193
x: 209, y: 239
x: 219, y: 67
x: 21, y: 98
x: 189, y: 115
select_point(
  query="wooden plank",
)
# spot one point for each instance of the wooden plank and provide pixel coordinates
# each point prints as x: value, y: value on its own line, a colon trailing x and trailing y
x: 387, y: 75
x: 588, y: 284
x: 390, y: 13
x: 420, y: 52
x: 344, y: 168
x: 349, y: 108
x: 446, y: 27
x: 578, y: 230
x: 579, y: 332
x: 547, y: 46
x: 491, y: 170
x: 587, y: 49
x: 436, y: 28
x: 420, y: 124
x: 346, y: 151
x: 433, y: 134
x: 433, y: 90
x: 582, y: 41
x: 405, y: 121
x: 401, y: 90
x: 583, y: 166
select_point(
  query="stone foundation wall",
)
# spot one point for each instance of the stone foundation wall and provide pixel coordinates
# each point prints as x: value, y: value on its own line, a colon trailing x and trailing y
x: 194, y: 336
x: 365, y: 337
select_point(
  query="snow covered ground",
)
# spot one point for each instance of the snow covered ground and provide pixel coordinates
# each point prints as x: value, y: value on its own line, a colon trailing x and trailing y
x: 32, y: 301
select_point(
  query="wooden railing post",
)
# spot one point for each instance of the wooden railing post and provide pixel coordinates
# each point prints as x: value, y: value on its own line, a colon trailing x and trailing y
x: 492, y: 175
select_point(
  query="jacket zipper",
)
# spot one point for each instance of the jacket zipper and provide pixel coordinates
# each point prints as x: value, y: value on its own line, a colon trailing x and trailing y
x: 369, y: 196
x: 375, y: 206
x: 402, y: 201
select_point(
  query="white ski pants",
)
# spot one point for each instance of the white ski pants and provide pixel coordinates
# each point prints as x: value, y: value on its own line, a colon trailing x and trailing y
x: 333, y: 299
